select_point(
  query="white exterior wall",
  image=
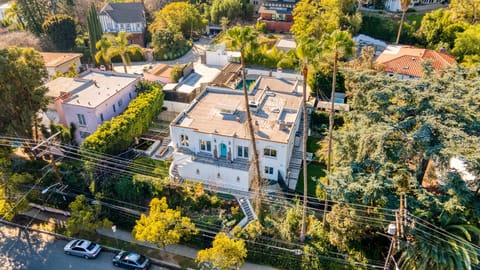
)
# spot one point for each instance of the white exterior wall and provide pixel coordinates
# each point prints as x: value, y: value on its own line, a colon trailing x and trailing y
x: 92, y: 115
x: 229, y: 178
x: 3, y: 8
x: 65, y: 67
x: 212, y: 174
x: 110, y: 26
x: 175, y: 106
x: 216, y: 58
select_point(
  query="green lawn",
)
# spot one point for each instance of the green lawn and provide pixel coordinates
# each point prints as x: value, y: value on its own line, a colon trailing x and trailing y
x: 314, y: 146
x: 314, y: 170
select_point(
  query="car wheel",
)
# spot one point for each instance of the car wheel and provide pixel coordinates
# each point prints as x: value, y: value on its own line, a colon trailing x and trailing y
x: 86, y: 257
x: 66, y: 252
x: 116, y: 264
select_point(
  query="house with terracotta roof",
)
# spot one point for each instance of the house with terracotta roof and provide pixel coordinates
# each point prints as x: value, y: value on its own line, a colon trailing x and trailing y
x: 90, y: 99
x: 406, y: 61
x: 57, y: 62
x: 128, y: 17
x: 161, y: 73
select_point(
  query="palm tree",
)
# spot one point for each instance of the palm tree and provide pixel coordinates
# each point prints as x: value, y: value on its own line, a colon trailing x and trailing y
x: 448, y: 247
x: 103, y: 52
x: 305, y: 50
x: 121, y: 47
x: 244, y: 39
x: 404, y: 4
x: 340, y: 44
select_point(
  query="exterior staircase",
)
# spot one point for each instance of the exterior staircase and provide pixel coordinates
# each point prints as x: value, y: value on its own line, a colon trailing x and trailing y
x: 295, y: 165
x: 247, y: 210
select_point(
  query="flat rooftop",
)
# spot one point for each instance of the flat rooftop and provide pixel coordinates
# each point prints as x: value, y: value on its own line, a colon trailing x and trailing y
x: 53, y: 59
x: 222, y: 111
x: 98, y: 86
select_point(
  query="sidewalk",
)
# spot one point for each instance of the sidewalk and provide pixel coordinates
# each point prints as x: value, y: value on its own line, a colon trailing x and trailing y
x: 123, y: 235
x: 174, y: 249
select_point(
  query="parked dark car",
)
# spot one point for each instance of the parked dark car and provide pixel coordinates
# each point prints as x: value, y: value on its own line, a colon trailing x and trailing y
x: 82, y: 248
x: 131, y: 260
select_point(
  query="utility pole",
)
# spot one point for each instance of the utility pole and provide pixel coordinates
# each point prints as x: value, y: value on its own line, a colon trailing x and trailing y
x: 48, y: 143
x: 397, y: 230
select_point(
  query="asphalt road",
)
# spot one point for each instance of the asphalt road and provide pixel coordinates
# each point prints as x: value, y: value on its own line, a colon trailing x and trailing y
x: 34, y: 251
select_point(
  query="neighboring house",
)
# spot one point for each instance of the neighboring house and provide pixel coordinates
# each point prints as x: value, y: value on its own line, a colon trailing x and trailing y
x: 396, y: 6
x: 61, y: 62
x: 211, y: 138
x: 90, y: 99
x: 161, y: 73
x: 277, y: 14
x: 286, y: 45
x: 128, y: 17
x: 217, y: 55
x: 179, y: 95
x: 406, y: 61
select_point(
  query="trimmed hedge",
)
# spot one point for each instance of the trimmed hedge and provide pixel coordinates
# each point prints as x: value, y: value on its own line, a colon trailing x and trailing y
x: 116, y: 135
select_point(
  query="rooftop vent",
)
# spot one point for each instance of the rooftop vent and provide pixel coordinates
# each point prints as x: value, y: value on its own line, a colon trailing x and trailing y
x: 405, y: 67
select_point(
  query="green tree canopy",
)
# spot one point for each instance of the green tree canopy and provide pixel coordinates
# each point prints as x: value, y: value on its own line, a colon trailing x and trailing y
x: 467, y: 45
x: 163, y: 226
x: 94, y: 29
x: 178, y: 15
x: 120, y: 46
x: 85, y: 217
x: 317, y: 18
x: 62, y: 31
x: 230, y: 9
x: 467, y: 10
x: 224, y: 254
x: 22, y: 75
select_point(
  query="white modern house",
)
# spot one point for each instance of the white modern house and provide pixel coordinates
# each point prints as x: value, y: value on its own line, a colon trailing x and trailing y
x: 90, y: 99
x: 3, y: 9
x: 211, y: 138
x: 128, y: 17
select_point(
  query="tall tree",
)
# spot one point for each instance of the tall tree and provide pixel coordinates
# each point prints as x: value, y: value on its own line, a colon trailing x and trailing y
x: 244, y: 39
x: 85, y: 217
x: 62, y: 31
x: 121, y: 47
x: 33, y: 13
x: 340, y: 44
x: 306, y: 50
x: 163, y: 226
x: 224, y: 254
x: 178, y: 14
x: 94, y: 29
x: 404, y: 4
x: 467, y: 10
x: 22, y: 76
x: 466, y: 48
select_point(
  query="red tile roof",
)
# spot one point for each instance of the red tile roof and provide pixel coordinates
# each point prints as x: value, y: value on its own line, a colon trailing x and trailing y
x: 407, y: 60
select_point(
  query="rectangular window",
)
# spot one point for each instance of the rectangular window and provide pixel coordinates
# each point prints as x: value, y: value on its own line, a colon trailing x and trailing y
x: 184, y: 140
x: 81, y: 120
x: 114, y: 108
x: 101, y: 117
x: 120, y: 103
x: 268, y: 152
x: 205, y: 145
x: 268, y: 170
x: 130, y: 96
x: 242, y: 151
x: 84, y: 134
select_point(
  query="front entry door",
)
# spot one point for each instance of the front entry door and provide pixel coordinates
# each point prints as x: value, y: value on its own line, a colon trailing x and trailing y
x: 223, y: 150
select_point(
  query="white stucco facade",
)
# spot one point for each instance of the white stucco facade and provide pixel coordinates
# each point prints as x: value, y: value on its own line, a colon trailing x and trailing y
x: 110, y: 26
x: 211, y: 140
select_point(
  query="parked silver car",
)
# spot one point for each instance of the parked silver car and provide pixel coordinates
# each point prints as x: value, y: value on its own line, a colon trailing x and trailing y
x: 131, y: 260
x: 82, y: 248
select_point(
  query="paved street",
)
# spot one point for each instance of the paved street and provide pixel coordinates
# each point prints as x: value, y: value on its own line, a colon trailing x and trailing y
x: 34, y: 251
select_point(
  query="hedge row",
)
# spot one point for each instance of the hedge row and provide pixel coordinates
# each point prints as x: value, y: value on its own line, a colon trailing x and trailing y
x: 116, y: 135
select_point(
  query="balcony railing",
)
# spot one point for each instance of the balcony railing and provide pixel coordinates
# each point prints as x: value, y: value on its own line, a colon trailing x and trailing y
x: 208, y: 158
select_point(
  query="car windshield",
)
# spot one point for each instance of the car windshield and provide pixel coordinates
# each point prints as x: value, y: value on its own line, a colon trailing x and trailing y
x: 91, y: 246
